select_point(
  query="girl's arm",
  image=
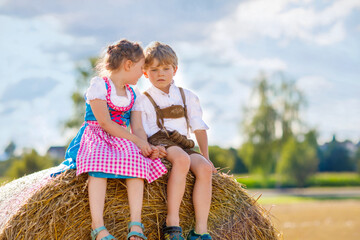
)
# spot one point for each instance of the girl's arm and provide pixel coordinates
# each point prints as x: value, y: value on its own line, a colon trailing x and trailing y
x: 101, y: 112
x: 202, y: 140
x: 138, y: 129
x: 137, y: 126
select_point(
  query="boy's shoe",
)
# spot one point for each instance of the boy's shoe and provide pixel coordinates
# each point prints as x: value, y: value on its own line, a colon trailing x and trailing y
x: 195, y: 236
x: 172, y: 233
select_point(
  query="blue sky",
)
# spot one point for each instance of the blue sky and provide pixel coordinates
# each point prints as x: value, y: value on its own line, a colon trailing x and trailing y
x: 222, y: 46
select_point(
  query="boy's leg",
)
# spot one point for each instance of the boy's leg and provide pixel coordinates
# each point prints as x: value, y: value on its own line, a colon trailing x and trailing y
x: 135, y: 190
x: 97, y: 191
x: 202, y: 170
x: 180, y: 161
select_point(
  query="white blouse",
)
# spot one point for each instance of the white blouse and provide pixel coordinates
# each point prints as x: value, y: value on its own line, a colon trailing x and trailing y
x: 164, y: 100
x: 97, y: 90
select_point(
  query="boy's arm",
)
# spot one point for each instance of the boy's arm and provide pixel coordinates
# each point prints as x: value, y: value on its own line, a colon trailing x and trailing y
x: 202, y: 140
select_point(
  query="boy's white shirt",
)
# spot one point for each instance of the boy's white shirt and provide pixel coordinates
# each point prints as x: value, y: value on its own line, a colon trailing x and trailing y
x: 164, y: 100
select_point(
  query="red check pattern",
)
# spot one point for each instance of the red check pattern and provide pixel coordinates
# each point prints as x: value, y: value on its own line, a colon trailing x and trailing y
x: 102, y: 152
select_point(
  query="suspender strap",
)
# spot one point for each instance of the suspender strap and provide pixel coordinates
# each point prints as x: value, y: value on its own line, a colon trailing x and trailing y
x: 185, y: 108
x: 159, y: 116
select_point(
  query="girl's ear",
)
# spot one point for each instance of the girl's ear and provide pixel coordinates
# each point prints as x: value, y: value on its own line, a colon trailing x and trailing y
x: 145, y: 74
x: 128, y: 64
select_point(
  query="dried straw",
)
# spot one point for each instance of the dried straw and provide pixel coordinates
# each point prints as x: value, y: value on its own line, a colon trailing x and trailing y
x: 59, y: 209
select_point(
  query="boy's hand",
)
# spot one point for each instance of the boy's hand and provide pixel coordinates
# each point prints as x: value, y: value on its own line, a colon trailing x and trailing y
x: 214, y: 170
x: 162, y: 151
x: 155, y: 153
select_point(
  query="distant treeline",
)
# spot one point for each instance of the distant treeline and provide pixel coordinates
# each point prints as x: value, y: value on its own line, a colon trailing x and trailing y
x: 333, y: 156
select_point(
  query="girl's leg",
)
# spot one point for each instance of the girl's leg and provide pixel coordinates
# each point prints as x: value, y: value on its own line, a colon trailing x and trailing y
x: 97, y: 192
x: 135, y: 190
x: 180, y: 161
x: 202, y: 170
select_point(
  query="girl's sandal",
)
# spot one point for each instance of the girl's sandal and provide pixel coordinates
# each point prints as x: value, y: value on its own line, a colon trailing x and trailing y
x: 96, y: 231
x: 134, y: 233
x: 172, y: 233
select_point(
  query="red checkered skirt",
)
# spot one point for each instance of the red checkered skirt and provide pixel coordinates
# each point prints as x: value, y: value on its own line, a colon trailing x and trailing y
x: 102, y: 152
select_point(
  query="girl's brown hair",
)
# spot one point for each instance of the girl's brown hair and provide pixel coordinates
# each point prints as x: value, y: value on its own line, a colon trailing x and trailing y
x: 116, y: 54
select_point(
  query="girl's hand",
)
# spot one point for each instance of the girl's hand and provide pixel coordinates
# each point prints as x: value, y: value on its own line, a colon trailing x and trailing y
x: 162, y: 151
x: 144, y: 147
x: 155, y: 153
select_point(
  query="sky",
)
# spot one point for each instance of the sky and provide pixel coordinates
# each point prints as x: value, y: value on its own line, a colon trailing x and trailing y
x: 222, y: 47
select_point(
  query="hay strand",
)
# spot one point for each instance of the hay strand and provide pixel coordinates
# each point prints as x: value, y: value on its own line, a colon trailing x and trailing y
x: 59, y: 209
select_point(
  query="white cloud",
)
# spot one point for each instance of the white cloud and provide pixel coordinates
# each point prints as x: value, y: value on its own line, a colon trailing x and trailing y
x: 314, y: 84
x: 285, y: 20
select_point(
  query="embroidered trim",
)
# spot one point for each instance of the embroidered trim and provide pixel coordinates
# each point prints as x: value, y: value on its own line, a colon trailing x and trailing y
x: 121, y: 109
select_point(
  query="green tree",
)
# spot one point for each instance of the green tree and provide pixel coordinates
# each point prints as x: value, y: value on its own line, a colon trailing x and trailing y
x: 28, y: 163
x: 85, y: 71
x: 357, y: 159
x: 270, y: 123
x: 336, y: 158
x: 10, y: 149
x: 259, y: 130
x: 298, y: 160
x: 221, y: 158
x: 288, y: 102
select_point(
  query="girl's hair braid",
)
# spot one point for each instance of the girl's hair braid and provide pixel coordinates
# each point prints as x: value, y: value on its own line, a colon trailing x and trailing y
x: 116, y: 54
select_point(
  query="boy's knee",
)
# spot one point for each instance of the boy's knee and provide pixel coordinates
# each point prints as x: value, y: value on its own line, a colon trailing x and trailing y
x: 182, y: 162
x: 205, y: 171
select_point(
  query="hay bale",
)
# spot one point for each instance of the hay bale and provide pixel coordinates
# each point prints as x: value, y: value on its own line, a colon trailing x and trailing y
x: 59, y: 209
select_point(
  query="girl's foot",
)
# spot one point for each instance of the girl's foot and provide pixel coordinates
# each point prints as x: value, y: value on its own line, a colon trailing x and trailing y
x: 99, y: 233
x: 102, y: 234
x: 136, y: 229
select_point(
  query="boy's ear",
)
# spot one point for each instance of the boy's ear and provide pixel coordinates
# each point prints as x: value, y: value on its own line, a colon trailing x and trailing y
x: 175, y: 70
x: 145, y: 74
x: 128, y: 64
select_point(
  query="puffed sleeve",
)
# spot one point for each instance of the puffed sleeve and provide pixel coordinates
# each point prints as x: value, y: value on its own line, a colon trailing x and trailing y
x: 138, y: 101
x: 194, y: 112
x: 96, y: 90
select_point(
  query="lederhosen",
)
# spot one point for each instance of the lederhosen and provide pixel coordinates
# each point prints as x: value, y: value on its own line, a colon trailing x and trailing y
x: 171, y: 138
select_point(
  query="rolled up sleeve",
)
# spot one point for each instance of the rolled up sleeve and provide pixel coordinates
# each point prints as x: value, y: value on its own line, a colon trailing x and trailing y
x: 195, y: 113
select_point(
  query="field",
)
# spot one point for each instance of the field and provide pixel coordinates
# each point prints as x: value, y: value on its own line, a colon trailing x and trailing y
x: 315, y: 214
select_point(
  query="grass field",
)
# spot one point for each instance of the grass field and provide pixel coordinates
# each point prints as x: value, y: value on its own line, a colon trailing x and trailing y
x: 315, y: 216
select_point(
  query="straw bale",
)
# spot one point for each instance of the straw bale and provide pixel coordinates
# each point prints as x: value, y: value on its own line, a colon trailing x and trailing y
x: 59, y: 209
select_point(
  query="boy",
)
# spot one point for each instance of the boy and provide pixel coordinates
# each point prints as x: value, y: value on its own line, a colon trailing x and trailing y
x: 167, y: 113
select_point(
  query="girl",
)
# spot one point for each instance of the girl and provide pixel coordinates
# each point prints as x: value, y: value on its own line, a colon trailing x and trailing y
x: 104, y: 148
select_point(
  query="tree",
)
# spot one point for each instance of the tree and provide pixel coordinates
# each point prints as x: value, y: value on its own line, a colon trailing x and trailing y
x: 336, y: 158
x: 10, y: 149
x: 298, y: 160
x: 271, y: 122
x: 259, y: 131
x: 85, y: 71
x: 222, y: 158
x: 357, y: 159
x: 28, y: 163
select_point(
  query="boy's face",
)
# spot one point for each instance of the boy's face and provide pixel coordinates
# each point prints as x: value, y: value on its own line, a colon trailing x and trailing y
x: 160, y: 75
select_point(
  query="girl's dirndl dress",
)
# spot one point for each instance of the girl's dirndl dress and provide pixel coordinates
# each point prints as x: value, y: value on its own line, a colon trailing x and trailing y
x: 100, y: 154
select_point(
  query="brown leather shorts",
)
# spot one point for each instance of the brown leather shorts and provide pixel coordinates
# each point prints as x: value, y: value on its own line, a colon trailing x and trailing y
x: 160, y: 138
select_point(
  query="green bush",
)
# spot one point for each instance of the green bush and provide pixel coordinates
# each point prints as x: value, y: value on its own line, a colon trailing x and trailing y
x: 318, y: 180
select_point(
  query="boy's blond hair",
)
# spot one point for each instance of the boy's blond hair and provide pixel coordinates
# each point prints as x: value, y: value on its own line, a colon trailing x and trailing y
x: 161, y: 52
